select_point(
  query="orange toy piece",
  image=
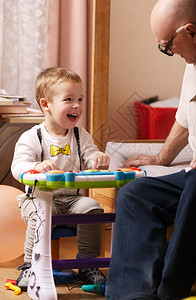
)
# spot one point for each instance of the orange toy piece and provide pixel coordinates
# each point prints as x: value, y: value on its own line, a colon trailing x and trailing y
x: 10, y: 286
x: 55, y: 172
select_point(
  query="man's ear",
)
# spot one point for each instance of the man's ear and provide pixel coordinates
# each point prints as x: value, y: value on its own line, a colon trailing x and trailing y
x: 191, y: 29
x: 44, y: 104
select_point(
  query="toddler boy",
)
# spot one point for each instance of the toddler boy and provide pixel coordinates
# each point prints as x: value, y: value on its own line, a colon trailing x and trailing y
x: 59, y: 93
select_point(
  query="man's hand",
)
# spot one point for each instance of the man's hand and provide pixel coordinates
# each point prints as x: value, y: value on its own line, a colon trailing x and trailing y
x: 99, y: 159
x: 176, y: 141
x: 141, y: 160
x: 45, y: 166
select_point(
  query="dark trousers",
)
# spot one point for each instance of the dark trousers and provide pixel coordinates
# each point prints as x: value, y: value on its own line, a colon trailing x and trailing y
x: 142, y: 263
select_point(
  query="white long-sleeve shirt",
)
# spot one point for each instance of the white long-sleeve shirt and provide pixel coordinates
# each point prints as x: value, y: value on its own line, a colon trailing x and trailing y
x: 28, y: 150
x: 188, y: 92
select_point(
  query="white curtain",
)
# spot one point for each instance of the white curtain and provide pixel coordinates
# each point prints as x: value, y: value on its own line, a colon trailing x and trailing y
x: 23, y: 45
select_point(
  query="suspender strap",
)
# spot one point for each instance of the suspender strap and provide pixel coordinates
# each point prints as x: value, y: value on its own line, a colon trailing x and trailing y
x: 76, y: 133
x: 39, y: 134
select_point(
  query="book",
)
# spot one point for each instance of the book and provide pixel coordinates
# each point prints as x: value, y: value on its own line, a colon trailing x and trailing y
x: 13, y: 97
x: 34, y: 111
x: 5, y: 101
x: 21, y: 115
x: 16, y: 108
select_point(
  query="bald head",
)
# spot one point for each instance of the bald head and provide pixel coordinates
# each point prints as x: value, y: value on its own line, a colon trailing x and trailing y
x: 171, y: 14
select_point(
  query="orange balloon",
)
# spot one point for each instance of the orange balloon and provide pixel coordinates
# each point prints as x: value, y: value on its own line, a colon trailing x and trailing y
x: 12, y: 227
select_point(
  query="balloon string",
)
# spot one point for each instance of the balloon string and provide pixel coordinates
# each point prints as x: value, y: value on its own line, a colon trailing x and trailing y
x: 37, y: 236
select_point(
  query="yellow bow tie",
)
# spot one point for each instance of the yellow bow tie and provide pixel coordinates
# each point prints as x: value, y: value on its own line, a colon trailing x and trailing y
x: 55, y: 150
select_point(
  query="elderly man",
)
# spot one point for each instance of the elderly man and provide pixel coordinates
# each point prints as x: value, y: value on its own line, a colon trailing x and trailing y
x: 143, y: 266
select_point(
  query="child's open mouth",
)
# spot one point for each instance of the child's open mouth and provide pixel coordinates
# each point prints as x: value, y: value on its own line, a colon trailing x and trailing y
x: 72, y: 117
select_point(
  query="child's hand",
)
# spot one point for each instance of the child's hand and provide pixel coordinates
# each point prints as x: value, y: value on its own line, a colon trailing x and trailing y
x: 193, y: 164
x: 100, y: 159
x: 45, y: 166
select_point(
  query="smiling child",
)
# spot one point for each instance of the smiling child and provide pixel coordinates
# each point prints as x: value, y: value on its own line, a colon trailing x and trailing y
x: 59, y: 93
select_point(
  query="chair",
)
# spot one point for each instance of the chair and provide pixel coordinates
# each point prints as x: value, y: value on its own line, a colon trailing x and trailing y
x: 57, y: 233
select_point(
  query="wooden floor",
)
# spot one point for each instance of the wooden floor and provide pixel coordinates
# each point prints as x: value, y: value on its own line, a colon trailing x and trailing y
x: 70, y: 291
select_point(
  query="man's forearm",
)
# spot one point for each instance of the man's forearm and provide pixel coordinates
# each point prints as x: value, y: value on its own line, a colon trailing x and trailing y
x: 175, y: 142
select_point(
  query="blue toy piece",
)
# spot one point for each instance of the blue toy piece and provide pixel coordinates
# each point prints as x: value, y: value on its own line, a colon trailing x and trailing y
x: 95, y: 288
x: 66, y: 276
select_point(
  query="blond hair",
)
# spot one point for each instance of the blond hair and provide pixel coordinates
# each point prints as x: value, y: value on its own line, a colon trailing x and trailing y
x: 49, y: 77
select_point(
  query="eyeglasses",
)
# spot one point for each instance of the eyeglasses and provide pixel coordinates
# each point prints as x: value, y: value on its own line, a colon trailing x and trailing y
x: 167, y: 49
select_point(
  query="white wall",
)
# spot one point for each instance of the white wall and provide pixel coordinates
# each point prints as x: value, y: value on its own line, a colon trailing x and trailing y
x: 137, y: 69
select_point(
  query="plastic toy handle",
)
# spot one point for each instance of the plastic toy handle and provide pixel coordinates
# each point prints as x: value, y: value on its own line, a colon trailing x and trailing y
x: 10, y: 286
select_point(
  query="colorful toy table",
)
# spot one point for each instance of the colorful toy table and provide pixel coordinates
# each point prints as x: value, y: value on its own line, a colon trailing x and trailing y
x: 41, y: 284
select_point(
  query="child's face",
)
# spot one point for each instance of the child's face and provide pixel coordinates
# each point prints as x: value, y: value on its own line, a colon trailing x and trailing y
x: 66, y: 105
